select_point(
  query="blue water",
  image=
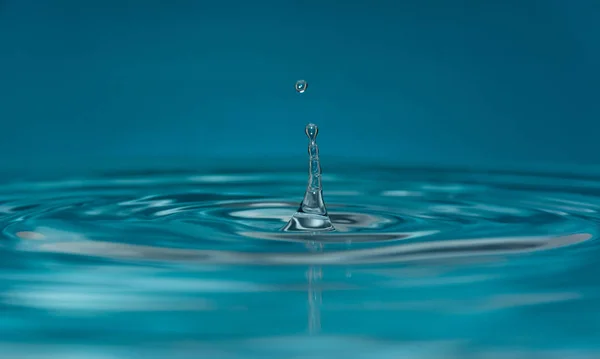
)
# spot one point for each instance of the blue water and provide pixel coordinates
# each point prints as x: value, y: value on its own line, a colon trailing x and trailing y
x: 190, y: 262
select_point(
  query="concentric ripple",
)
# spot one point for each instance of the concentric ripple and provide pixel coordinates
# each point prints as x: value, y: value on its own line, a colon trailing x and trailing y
x: 387, y: 216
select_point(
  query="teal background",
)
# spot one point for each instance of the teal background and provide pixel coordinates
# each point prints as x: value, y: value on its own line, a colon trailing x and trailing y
x: 397, y: 81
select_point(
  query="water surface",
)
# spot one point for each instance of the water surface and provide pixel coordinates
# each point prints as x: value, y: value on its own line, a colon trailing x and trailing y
x: 187, y: 263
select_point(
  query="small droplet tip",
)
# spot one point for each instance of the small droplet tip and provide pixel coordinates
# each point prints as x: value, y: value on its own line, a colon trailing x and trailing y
x: 312, y: 131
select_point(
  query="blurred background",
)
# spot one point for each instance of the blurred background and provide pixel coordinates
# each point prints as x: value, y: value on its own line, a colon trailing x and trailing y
x: 510, y: 81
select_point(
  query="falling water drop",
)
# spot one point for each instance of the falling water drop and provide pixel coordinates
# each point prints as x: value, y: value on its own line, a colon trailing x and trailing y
x: 312, y: 215
x: 301, y: 86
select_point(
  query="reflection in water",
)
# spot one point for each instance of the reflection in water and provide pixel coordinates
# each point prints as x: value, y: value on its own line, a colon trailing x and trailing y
x: 30, y: 235
x: 314, y: 275
x: 400, y: 253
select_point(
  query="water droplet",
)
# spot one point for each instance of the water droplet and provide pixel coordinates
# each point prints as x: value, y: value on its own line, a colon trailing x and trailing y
x: 301, y: 86
x: 311, y: 131
x: 312, y: 215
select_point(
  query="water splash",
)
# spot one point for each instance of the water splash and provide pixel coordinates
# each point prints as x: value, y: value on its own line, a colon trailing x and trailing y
x: 312, y: 215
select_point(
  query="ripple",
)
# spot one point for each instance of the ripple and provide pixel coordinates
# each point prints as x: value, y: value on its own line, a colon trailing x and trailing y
x: 383, y: 217
x: 113, y: 261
